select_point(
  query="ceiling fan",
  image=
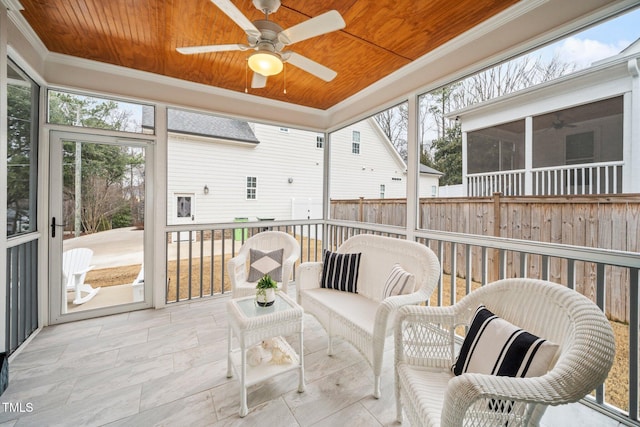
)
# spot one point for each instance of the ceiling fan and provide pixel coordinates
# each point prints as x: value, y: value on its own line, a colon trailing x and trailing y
x: 268, y: 40
x: 559, y: 123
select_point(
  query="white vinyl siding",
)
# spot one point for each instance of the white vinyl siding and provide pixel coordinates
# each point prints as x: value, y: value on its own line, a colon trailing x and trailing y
x: 224, y: 167
x: 360, y: 176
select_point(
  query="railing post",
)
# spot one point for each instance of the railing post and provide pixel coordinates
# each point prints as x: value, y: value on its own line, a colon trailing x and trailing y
x: 528, y: 156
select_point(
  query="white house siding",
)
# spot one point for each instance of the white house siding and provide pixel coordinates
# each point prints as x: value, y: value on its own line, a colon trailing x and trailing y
x: 360, y: 175
x: 429, y: 185
x: 223, y: 166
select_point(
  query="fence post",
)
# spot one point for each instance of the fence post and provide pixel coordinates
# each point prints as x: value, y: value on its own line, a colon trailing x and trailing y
x: 496, y: 213
x: 361, y: 209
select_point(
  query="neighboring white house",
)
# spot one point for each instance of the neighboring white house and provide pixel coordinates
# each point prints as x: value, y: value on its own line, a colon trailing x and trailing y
x: 579, y: 134
x: 203, y: 188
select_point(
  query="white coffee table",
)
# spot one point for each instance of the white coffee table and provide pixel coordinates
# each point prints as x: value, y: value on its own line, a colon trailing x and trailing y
x: 251, y: 324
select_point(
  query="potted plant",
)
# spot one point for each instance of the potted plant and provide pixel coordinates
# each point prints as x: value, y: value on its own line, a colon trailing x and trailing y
x: 266, y: 291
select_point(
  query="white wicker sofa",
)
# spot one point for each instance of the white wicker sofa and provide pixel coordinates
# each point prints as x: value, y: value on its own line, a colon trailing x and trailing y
x: 364, y: 318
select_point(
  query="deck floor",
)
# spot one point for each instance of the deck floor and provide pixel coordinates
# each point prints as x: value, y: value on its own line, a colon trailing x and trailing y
x: 168, y: 367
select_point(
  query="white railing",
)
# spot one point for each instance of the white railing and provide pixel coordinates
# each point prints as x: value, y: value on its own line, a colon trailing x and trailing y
x: 591, y: 178
x: 509, y: 183
x: 588, y: 178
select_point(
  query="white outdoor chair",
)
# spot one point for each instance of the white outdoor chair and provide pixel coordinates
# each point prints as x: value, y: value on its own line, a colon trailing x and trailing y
x: 75, y: 265
x: 425, y: 352
x: 265, y: 241
x: 138, y: 285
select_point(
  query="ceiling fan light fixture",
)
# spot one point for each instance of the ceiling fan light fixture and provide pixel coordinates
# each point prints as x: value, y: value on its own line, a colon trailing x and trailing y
x: 265, y: 63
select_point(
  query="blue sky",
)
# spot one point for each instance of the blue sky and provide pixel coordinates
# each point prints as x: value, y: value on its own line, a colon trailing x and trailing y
x: 598, y: 42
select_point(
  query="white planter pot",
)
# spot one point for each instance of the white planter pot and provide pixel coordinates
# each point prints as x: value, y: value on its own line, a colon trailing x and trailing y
x: 266, y: 299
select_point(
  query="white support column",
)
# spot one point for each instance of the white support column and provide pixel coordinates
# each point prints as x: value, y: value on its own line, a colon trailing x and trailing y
x: 413, y: 160
x: 158, y: 205
x: 631, y: 133
x: 3, y: 174
x: 465, y: 151
x: 326, y: 175
x: 528, y: 156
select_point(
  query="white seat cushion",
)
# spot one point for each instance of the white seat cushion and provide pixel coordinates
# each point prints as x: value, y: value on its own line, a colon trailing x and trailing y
x: 425, y: 387
x: 360, y: 310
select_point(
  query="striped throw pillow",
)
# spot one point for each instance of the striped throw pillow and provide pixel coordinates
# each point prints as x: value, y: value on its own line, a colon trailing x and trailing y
x: 340, y: 271
x: 399, y: 282
x: 496, y: 347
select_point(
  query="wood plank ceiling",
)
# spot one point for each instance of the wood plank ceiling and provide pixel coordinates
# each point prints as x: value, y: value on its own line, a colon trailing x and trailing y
x: 380, y: 37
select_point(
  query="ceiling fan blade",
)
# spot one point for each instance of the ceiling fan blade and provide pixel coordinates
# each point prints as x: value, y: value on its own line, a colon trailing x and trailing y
x: 234, y: 13
x: 211, y: 48
x: 258, y: 81
x: 321, y: 24
x: 310, y: 66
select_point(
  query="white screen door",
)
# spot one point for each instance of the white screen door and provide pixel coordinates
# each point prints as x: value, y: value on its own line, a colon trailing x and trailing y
x: 97, y: 225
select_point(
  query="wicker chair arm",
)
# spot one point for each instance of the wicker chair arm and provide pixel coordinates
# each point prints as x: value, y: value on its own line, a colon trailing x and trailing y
x: 287, y: 269
x: 424, y: 336
x: 390, y: 306
x: 309, y: 275
x: 237, y: 269
x: 490, y: 397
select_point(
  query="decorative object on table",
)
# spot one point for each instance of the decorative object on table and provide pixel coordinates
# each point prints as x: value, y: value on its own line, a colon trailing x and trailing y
x: 256, y: 355
x: 279, y: 354
x: 266, y: 291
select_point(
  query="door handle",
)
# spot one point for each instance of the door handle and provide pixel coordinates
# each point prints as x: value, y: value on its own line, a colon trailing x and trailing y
x: 54, y: 225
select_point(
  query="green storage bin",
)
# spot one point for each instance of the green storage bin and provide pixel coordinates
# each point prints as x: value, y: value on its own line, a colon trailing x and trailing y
x: 240, y: 234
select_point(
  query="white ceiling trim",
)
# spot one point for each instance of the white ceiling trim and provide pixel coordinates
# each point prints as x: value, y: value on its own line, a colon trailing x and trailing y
x: 87, y: 75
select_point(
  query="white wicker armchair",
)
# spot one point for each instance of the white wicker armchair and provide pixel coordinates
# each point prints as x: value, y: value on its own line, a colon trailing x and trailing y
x: 425, y: 351
x: 265, y: 241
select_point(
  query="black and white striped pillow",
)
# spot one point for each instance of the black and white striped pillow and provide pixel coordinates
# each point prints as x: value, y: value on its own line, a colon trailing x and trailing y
x: 340, y: 271
x: 399, y: 282
x: 496, y: 347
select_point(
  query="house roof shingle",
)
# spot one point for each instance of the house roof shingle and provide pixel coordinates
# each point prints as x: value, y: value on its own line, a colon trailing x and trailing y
x: 191, y: 123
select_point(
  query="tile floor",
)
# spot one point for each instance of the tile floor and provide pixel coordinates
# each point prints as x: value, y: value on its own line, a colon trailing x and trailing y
x: 168, y: 368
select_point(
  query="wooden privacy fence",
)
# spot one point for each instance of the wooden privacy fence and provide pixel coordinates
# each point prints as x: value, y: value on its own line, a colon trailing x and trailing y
x: 605, y: 222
